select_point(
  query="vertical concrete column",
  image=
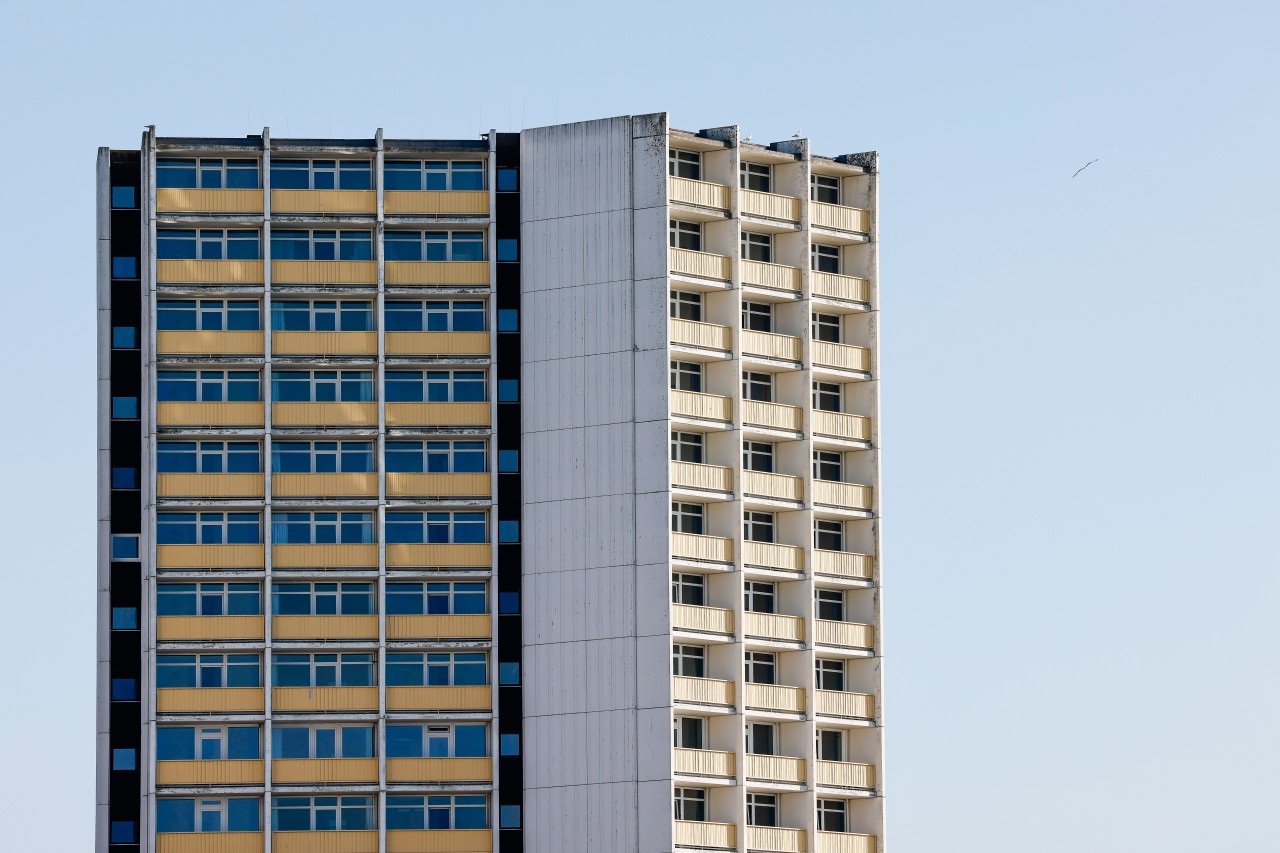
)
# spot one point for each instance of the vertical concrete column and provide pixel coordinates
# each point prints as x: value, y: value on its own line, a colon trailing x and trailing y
x: 491, y: 452
x: 103, y: 668
x: 146, y: 479
x: 266, y: 486
x: 380, y: 523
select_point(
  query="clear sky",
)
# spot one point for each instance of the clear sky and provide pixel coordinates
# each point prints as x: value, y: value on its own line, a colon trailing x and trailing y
x: 1079, y: 374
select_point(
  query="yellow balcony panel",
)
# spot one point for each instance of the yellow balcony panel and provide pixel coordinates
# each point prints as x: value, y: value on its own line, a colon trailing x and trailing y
x: 324, y: 272
x: 769, y: 205
x: 460, y: 626
x: 842, y: 356
x: 209, y: 414
x: 703, y: 335
x: 170, y: 628
x: 692, y: 475
x: 327, y: 627
x: 466, y: 698
x: 324, y: 343
x: 473, y: 273
x: 763, y: 484
x: 437, y: 414
x: 700, y: 264
x: 698, y: 193
x: 776, y: 839
x: 773, y: 626
x: 843, y: 703
x: 209, y: 842
x: 208, y: 343
x: 232, y: 772
x: 324, y: 201
x: 439, y: 841
x: 438, y: 343
x: 840, y: 425
x: 439, y: 769
x: 324, y: 414
x: 771, y: 276
x: 455, y: 554
x: 187, y: 485
x: 332, y: 841
x: 845, y: 564
x: 190, y: 200
x: 324, y: 699
x: 844, y: 842
x: 700, y: 833
x: 325, y: 556
x: 839, y: 217
x: 702, y: 691
x: 330, y: 485
x: 770, y: 555
x: 210, y: 557
x: 834, y: 286
x: 851, y: 495
x: 769, y: 345
x: 774, y: 697
x: 773, y: 768
x: 304, y: 771
x: 401, y: 484
x: 692, y: 404
x: 209, y: 700
x: 773, y: 415
x: 187, y: 271
x: 436, y: 202
x: 846, y: 774
x: 692, y: 546
x: 692, y: 617
x: 703, y: 762
x: 851, y: 634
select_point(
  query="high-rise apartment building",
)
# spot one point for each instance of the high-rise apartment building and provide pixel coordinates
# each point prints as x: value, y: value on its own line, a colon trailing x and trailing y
x: 493, y: 495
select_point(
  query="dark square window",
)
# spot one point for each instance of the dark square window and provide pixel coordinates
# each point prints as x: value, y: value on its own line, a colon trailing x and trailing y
x: 124, y: 832
x: 124, y: 619
x: 508, y: 673
x: 508, y: 180
x: 508, y: 250
x: 124, y: 478
x: 508, y: 461
x: 124, y: 689
x: 124, y: 267
x: 508, y: 531
x: 124, y: 408
x: 124, y: 337
x: 509, y: 745
x: 508, y: 320
x: 123, y: 197
x: 124, y: 759
x: 508, y: 390
x: 508, y: 602
x: 509, y: 817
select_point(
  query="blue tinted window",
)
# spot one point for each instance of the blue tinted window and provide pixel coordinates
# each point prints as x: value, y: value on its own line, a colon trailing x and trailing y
x: 123, y: 197
x: 508, y: 531
x: 508, y: 320
x: 124, y: 689
x: 124, y: 547
x: 242, y: 815
x: 509, y: 817
x: 469, y: 741
x: 124, y: 478
x: 508, y: 673
x: 242, y: 742
x: 124, y: 267
x: 404, y: 741
x: 508, y: 250
x: 175, y: 744
x: 508, y: 461
x: 508, y: 180
x: 124, y: 408
x: 124, y: 831
x: 175, y: 815
x: 508, y: 602
x: 124, y: 618
x: 124, y: 337
x: 508, y: 391
x: 124, y: 759
x: 509, y: 744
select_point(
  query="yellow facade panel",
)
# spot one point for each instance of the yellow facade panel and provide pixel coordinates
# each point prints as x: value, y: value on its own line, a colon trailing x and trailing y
x: 209, y: 842
x: 771, y: 276
x: 842, y: 703
x: 698, y: 193
x: 209, y: 700
x: 693, y: 546
x: 324, y: 343
x: 177, y: 628
x: 702, y: 335
x: 844, y: 842
x: 769, y: 345
x: 773, y: 626
x: 769, y: 205
x: 436, y: 202
x: 845, y: 564
x: 851, y: 495
x: 692, y: 404
x: 836, y: 286
x: 464, y: 626
x: 237, y: 414
x: 210, y: 557
x: 771, y: 555
x: 324, y: 414
x: 704, y: 762
x: 439, y: 769
x: 439, y: 841
x: 692, y: 475
x: 773, y: 415
x: 776, y: 839
x: 851, y: 634
x: 190, y: 200
x: 208, y: 343
x: 457, y: 273
x: 700, y: 833
x: 457, y: 555
x: 327, y: 627
x: 846, y: 774
x: 839, y: 217
x: 324, y: 201
x: 402, y: 484
x: 768, y: 485
x: 840, y: 425
x: 324, y: 272
x: 693, y: 617
x: 324, y: 699
x: 225, y: 772
x: 437, y: 414
x: 773, y: 768
x: 303, y: 771
x: 438, y: 343
x: 702, y: 691
x: 332, y: 841
x: 187, y: 485
x: 187, y: 271
x: 842, y: 356
x: 470, y: 698
x: 700, y: 264
x: 330, y: 485
x: 325, y: 556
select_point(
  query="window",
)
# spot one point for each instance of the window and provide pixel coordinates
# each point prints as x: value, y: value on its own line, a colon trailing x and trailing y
x: 322, y: 740
x: 207, y: 386
x: 509, y: 530
x: 762, y: 667
x: 206, y: 173
x: 224, y: 814
x: 322, y: 528
x: 824, y: 258
x: 208, y: 599
x: 208, y: 528
x: 686, y: 447
x: 828, y: 465
x: 760, y: 597
x: 435, y: 598
x: 437, y: 669
x: 690, y: 732
x: 322, y: 670
x: 755, y: 176
x: 828, y: 535
x: 829, y: 674
x: 824, y: 188
x: 508, y: 673
x: 508, y: 461
x: 207, y: 315
x: 826, y: 396
x: 508, y: 602
x: 508, y: 249
x: 124, y: 478
x: 208, y: 670
x: 434, y: 245
x: 435, y: 315
x: 757, y: 526
x: 321, y: 245
x: 124, y: 689
x: 686, y: 376
x: 687, y: 517
x: 508, y: 390
x: 757, y: 247
x: 509, y: 817
x: 757, y: 316
x: 124, y: 408
x: 508, y: 744
x: 124, y: 759
x: 124, y: 267
x: 322, y: 457
x: 762, y: 809
x: 426, y: 740
x: 322, y: 599
x: 435, y: 457
x: 435, y: 386
x: 209, y: 244
x: 689, y: 661
x: 508, y: 180
x: 124, y: 619
x: 762, y: 738
x: 830, y: 743
x: 508, y: 320
x: 322, y: 386
x: 321, y: 175
x: 685, y: 235
x: 208, y: 457
x: 758, y: 456
x: 302, y: 814
x: 207, y: 743
x: 436, y: 528
x: 826, y: 327
x: 832, y: 815
x: 124, y: 831
x: 124, y: 197
x: 757, y: 386
x: 684, y: 164
x: 124, y: 337
x: 433, y: 174
x: 315, y: 315
x: 124, y: 546
x: 685, y: 305
x: 437, y: 811
x: 688, y: 588
x: 830, y: 604
x: 691, y: 804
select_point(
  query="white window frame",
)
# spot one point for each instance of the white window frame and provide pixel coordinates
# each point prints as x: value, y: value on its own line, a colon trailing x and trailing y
x: 337, y: 728
x: 336, y: 169
x: 819, y: 183
x: 313, y: 594
x: 820, y: 253
x: 687, y: 373
x: 758, y: 247
x: 758, y: 379
x: 685, y: 514
x: 759, y: 456
x: 685, y: 302
x: 833, y: 528
x: 838, y: 735
x: 756, y: 523
x: 450, y: 167
x: 758, y: 732
x: 678, y: 158
x: 678, y: 731
x: 686, y: 656
x: 826, y: 390
x: 678, y: 229
x: 757, y: 316
x: 831, y: 598
x: 692, y: 583
x: 760, y: 597
x: 757, y: 173
x: 829, y: 324
x: 426, y: 308
x: 757, y: 805
x: 823, y: 463
x: 826, y: 668
x: 690, y: 803
x: 830, y: 808
x: 758, y: 663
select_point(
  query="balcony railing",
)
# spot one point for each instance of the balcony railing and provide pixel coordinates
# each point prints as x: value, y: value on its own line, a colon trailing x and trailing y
x: 439, y: 769
x: 773, y: 768
x: 841, y: 703
x: 330, y: 841
x: 840, y: 425
x: 187, y: 485
x: 223, y: 772
x: 844, y: 842
x: 325, y: 556
x: 473, y: 555
x: 324, y: 414
x: 189, y: 271
x: 325, y: 627
x: 846, y: 774
x: 436, y: 202
x: 438, y: 343
x: 839, y: 217
x: 773, y: 626
x: 702, y: 691
x: 464, y: 698
x: 769, y: 345
x: 842, y: 356
x: 776, y: 839
x: 692, y: 617
x: 210, y: 842
x: 851, y: 495
x: 209, y: 414
x: 438, y: 414
x: 179, y: 628
x: 324, y: 272
x: 698, y: 193
x: 450, y: 626
x: 704, y: 335
x: 439, y: 841
x: 852, y: 634
x: 189, y: 200
x: 210, y: 557
x: 294, y: 771
x: 208, y: 343
x: 770, y: 555
x: 704, y: 762
x: 460, y: 273
x: 209, y: 700
x: 324, y: 698
x: 338, y: 484
x: 772, y: 276
x: 324, y: 343
x: 773, y: 415
x: 692, y: 546
x: 401, y: 484
x: 697, y: 833
x: 770, y: 205
x: 844, y: 564
x: 692, y: 475
x: 766, y: 485
x: 774, y: 697
x: 700, y: 264
x: 324, y: 201
x: 692, y: 404
x: 837, y: 286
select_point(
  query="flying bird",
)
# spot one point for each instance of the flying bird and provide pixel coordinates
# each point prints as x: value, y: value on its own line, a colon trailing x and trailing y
x: 1086, y: 165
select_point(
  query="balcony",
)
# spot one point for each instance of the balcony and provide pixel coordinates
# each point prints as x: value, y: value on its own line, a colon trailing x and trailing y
x: 841, y: 357
x: 844, y: 842
x: 326, y: 627
x: 773, y: 415
x: 209, y: 414
x: 324, y: 699
x: 401, y: 484
x: 773, y: 768
x: 438, y: 343
x: 181, y: 628
x: 306, y: 771
x: 692, y: 475
x: 470, y: 698
x: 331, y: 485
x: 333, y: 841
x: 209, y: 842
x: 699, y: 264
x: 188, y: 271
x: 210, y: 557
x: 436, y: 202
x: 774, y: 697
x: 839, y: 218
x: 472, y: 555
x: 774, y: 839
x: 324, y: 343
x: 693, y: 617
x: 189, y: 200
x: 773, y: 626
x: 226, y: 772
x: 324, y: 414
x: 458, y: 273
x: 702, y: 335
x: 455, y: 626
x: 702, y: 691
x: 846, y: 774
x: 325, y: 556
x: 697, y: 833
x: 840, y: 425
x: 853, y: 635
x: 697, y: 193
x: 693, y: 546
x: 692, y: 404
x: 324, y: 201
x: 703, y: 762
x: 842, y: 703
x: 843, y: 564
x: 769, y: 205
x: 208, y: 343
x: 324, y: 272
x: 849, y: 495
x: 439, y: 769
x: 781, y: 487
x: 769, y: 345
x: 834, y: 286
x: 187, y: 485
x: 770, y: 555
x: 439, y: 841
x: 771, y: 276
x: 437, y: 414
x: 209, y: 700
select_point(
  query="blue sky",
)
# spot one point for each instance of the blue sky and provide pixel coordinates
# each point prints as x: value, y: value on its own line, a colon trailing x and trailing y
x: 1079, y: 396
